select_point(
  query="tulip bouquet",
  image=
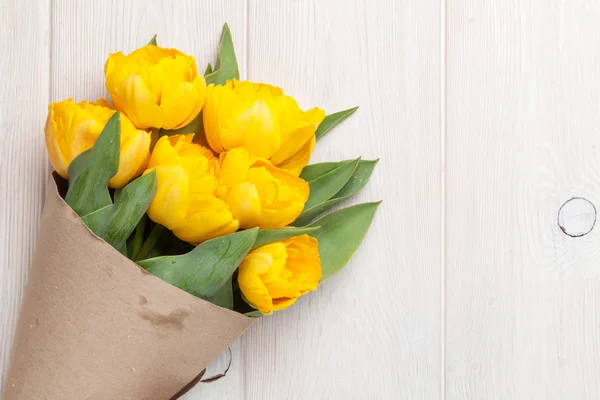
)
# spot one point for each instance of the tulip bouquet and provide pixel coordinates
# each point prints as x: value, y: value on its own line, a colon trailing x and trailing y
x: 175, y: 217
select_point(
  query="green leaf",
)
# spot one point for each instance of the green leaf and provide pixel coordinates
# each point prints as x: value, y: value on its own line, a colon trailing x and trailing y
x: 226, y: 67
x: 90, y: 172
x: 340, y: 236
x: 359, y: 179
x: 326, y: 186
x: 123, y: 249
x: 313, y: 171
x: 274, y: 235
x: 208, y: 69
x: 224, y: 297
x: 204, y: 270
x: 333, y: 120
x: 254, y: 314
x: 153, y: 40
x: 114, y: 223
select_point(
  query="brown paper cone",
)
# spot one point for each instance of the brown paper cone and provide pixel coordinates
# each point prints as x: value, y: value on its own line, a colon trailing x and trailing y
x: 94, y: 325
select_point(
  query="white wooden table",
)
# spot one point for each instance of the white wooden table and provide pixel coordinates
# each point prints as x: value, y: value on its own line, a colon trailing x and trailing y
x: 486, y: 116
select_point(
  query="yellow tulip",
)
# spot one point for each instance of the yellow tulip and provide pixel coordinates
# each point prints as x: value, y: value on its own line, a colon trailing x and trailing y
x: 272, y: 277
x: 261, y: 119
x: 155, y: 87
x: 200, y: 197
x: 72, y: 128
x: 258, y: 193
x: 186, y: 200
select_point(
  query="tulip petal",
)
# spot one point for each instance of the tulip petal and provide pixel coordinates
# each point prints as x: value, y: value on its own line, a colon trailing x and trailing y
x: 205, y: 225
x: 283, y: 303
x: 254, y: 128
x: 182, y: 102
x: 133, y: 158
x: 163, y: 153
x: 246, y: 206
x: 295, y: 141
x: 138, y: 103
x: 281, y: 194
x: 56, y: 155
x: 169, y: 206
x: 208, y: 217
x: 297, y: 128
x: 234, y: 166
x: 83, y: 136
x: 211, y: 118
x: 251, y: 285
x: 300, y: 159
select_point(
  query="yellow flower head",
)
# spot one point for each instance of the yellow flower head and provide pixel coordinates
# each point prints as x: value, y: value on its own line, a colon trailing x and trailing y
x: 72, y: 128
x: 200, y: 197
x: 258, y: 193
x: 261, y: 119
x: 155, y: 87
x: 185, y: 200
x: 273, y: 276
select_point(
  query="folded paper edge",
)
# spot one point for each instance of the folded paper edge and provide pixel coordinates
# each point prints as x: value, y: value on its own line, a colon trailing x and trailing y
x: 52, y: 190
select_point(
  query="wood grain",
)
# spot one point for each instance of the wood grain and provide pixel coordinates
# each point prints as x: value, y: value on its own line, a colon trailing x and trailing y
x: 523, y: 298
x: 24, y: 86
x: 373, y: 331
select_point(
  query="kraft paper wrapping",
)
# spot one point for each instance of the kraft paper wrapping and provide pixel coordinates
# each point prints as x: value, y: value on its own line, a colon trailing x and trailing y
x: 94, y: 325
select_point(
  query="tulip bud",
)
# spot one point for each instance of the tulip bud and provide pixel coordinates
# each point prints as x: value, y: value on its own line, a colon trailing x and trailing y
x: 258, y: 193
x: 261, y: 119
x: 272, y: 277
x: 155, y: 87
x: 72, y: 128
x: 186, y: 199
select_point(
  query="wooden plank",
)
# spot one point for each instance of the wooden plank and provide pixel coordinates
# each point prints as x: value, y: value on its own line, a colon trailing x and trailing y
x: 372, y: 332
x: 86, y: 32
x: 24, y: 66
x: 523, y: 299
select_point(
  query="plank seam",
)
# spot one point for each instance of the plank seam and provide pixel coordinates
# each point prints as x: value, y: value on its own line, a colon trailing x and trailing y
x: 50, y: 48
x: 443, y: 199
x: 246, y: 39
x: 245, y: 75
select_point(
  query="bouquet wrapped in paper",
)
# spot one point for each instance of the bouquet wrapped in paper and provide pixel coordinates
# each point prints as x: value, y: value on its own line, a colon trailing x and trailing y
x: 175, y: 216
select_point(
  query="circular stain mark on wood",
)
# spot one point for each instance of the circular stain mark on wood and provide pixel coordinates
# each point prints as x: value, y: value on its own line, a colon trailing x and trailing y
x: 577, y: 217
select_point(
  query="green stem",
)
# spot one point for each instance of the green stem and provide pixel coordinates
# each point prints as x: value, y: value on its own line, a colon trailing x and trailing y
x: 154, y: 136
x: 117, y: 194
x: 138, y: 239
x: 150, y: 242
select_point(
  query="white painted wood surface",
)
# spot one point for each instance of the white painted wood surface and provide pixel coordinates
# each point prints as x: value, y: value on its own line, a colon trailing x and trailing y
x: 466, y: 287
x: 522, y: 134
x: 24, y: 95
